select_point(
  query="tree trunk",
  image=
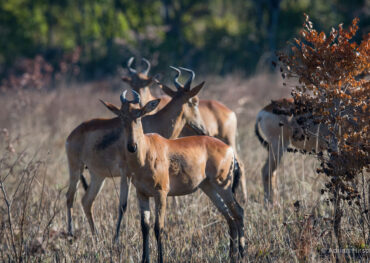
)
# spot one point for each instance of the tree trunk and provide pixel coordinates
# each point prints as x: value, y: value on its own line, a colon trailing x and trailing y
x: 274, y: 6
x: 338, y: 213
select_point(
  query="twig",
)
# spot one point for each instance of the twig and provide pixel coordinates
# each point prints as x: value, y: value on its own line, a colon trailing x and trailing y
x: 8, y: 205
x: 210, y: 224
x: 13, y: 165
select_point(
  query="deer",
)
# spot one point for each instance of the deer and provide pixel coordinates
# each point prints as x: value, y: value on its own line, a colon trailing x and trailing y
x: 141, y: 82
x: 277, y: 129
x: 161, y: 167
x: 219, y: 120
x: 97, y: 144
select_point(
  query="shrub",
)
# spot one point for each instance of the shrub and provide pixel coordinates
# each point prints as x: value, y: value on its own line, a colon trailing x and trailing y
x: 334, y: 91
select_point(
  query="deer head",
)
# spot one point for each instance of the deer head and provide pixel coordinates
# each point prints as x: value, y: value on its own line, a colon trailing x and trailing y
x: 188, y: 97
x: 138, y: 80
x: 130, y: 114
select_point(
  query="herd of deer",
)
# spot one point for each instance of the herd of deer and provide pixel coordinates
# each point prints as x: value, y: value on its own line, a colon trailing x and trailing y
x: 142, y: 145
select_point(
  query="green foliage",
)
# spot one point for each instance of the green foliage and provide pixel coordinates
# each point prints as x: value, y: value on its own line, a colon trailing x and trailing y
x: 212, y: 36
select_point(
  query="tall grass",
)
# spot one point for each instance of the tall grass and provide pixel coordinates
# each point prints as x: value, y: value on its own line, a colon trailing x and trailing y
x: 34, y: 178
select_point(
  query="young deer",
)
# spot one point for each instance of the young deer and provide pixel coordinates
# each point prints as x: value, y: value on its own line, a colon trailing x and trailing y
x: 279, y: 130
x: 97, y: 144
x: 220, y: 121
x: 161, y: 167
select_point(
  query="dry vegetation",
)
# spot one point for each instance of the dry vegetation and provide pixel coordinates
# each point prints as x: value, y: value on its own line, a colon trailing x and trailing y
x: 334, y: 92
x: 34, y: 176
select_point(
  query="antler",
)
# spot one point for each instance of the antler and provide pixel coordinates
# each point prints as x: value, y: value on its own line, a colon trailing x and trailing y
x: 191, y: 78
x: 146, y: 71
x: 176, y: 81
x: 123, y: 97
x: 129, y: 64
x: 136, y: 99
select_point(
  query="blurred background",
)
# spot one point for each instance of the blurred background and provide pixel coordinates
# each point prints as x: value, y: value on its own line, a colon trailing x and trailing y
x: 88, y: 40
x: 58, y: 58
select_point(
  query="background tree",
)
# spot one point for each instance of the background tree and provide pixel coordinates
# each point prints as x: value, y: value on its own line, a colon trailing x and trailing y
x: 213, y: 37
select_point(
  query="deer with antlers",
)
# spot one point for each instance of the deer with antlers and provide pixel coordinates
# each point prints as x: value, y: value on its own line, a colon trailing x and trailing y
x: 161, y: 167
x: 140, y: 82
x: 276, y: 128
x: 98, y: 143
x: 219, y: 120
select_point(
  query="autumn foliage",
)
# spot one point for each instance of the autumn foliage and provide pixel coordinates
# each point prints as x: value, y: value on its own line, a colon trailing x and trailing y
x: 39, y: 73
x: 334, y: 91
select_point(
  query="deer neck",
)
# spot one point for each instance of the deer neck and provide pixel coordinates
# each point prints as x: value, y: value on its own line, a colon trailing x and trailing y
x: 138, y: 158
x: 145, y: 95
x: 169, y: 120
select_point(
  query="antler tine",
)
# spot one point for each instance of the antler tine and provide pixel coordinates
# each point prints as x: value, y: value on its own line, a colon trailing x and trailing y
x: 146, y: 71
x: 129, y: 64
x: 123, y: 97
x: 156, y: 78
x: 176, y: 80
x: 191, y: 78
x: 136, y: 99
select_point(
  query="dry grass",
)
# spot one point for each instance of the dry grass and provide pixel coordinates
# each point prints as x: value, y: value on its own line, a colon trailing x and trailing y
x: 34, y: 175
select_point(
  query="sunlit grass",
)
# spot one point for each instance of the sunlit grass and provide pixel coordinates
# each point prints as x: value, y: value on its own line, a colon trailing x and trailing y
x: 32, y: 158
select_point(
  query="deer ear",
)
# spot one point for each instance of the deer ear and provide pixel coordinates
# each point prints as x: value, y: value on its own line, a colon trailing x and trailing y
x: 150, y: 106
x: 167, y: 90
x: 111, y: 107
x: 196, y: 89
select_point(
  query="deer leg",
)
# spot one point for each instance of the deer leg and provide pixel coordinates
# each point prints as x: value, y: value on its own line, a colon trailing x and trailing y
x: 213, y: 194
x: 160, y: 210
x: 89, y: 198
x: 269, y: 172
x: 145, y: 225
x: 123, y: 196
x: 237, y: 213
x: 75, y: 170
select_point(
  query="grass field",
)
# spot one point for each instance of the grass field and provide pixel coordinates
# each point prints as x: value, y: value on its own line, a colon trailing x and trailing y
x: 34, y: 176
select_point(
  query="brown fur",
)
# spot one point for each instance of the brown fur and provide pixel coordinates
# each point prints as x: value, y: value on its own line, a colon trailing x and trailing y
x: 95, y: 124
x: 220, y: 122
x: 85, y: 146
x: 161, y: 167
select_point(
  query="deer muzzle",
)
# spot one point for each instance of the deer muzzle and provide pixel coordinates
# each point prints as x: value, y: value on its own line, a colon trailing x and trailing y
x: 132, y: 147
